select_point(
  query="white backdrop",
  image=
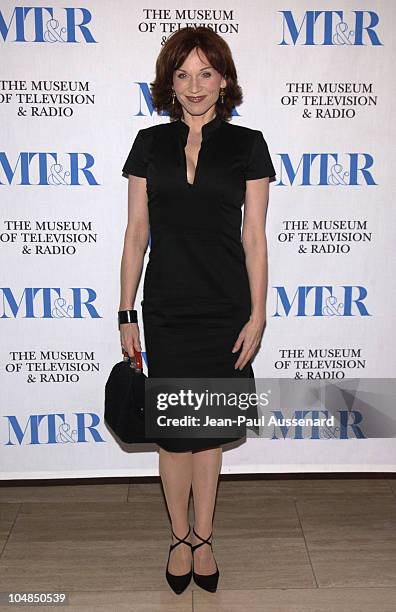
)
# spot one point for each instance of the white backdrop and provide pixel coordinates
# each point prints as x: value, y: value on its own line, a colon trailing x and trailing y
x: 74, y: 91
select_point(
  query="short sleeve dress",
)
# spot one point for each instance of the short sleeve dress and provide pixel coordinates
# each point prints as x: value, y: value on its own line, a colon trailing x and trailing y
x: 196, y: 293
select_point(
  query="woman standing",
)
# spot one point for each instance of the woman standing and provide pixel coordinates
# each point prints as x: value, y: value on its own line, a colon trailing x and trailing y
x: 204, y: 290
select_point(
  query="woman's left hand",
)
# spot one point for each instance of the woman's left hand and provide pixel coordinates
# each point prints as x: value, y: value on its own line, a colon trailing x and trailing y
x: 250, y: 337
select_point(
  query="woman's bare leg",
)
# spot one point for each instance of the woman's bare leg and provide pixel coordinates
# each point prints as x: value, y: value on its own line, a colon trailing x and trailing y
x: 176, y: 475
x: 206, y: 466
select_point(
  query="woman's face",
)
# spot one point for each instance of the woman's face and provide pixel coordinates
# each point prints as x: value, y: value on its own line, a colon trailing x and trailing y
x: 197, y: 84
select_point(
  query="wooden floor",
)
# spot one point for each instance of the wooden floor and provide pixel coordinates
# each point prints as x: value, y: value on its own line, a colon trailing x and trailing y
x: 297, y: 543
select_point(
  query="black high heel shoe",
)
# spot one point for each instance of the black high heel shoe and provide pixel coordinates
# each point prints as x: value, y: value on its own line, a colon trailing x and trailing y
x: 205, y: 581
x: 178, y: 583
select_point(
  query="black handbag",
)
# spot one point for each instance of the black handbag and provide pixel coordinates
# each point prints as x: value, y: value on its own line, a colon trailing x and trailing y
x: 124, y: 400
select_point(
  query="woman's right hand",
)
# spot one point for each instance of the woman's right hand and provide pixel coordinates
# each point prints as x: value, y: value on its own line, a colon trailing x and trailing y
x: 130, y: 338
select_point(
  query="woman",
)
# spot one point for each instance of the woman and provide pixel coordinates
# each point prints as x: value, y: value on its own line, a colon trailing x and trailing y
x: 204, y: 290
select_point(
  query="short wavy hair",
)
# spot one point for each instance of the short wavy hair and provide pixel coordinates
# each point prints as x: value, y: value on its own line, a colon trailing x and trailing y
x: 173, y: 54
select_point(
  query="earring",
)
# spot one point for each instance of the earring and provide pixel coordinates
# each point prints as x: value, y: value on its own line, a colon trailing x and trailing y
x: 222, y: 90
x: 173, y: 97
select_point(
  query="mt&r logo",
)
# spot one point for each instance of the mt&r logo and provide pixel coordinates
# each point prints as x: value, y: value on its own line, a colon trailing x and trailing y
x: 330, y: 28
x: 40, y: 24
x: 48, y: 303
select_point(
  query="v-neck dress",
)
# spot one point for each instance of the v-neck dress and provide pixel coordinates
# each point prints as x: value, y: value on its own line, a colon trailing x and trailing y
x: 196, y: 293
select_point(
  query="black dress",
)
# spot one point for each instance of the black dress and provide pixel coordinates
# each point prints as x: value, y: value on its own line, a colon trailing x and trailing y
x: 196, y: 293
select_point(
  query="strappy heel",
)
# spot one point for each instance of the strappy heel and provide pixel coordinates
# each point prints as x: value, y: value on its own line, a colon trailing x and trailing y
x: 205, y: 581
x: 178, y: 583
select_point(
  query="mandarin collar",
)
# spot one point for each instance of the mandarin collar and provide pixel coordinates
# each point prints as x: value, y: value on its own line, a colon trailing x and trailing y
x: 206, y: 129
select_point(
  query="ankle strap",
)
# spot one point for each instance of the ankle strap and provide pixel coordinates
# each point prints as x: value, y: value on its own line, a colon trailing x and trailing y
x: 204, y: 541
x: 181, y: 540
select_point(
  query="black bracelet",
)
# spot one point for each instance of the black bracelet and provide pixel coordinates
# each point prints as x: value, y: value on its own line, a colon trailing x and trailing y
x: 127, y: 316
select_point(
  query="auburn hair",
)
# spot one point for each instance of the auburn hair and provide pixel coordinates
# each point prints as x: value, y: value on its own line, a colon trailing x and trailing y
x: 173, y: 54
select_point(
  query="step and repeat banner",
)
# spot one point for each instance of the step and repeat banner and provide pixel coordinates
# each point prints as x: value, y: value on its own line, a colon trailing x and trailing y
x: 74, y: 91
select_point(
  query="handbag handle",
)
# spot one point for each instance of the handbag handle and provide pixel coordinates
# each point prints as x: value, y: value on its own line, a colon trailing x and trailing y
x: 136, y: 361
